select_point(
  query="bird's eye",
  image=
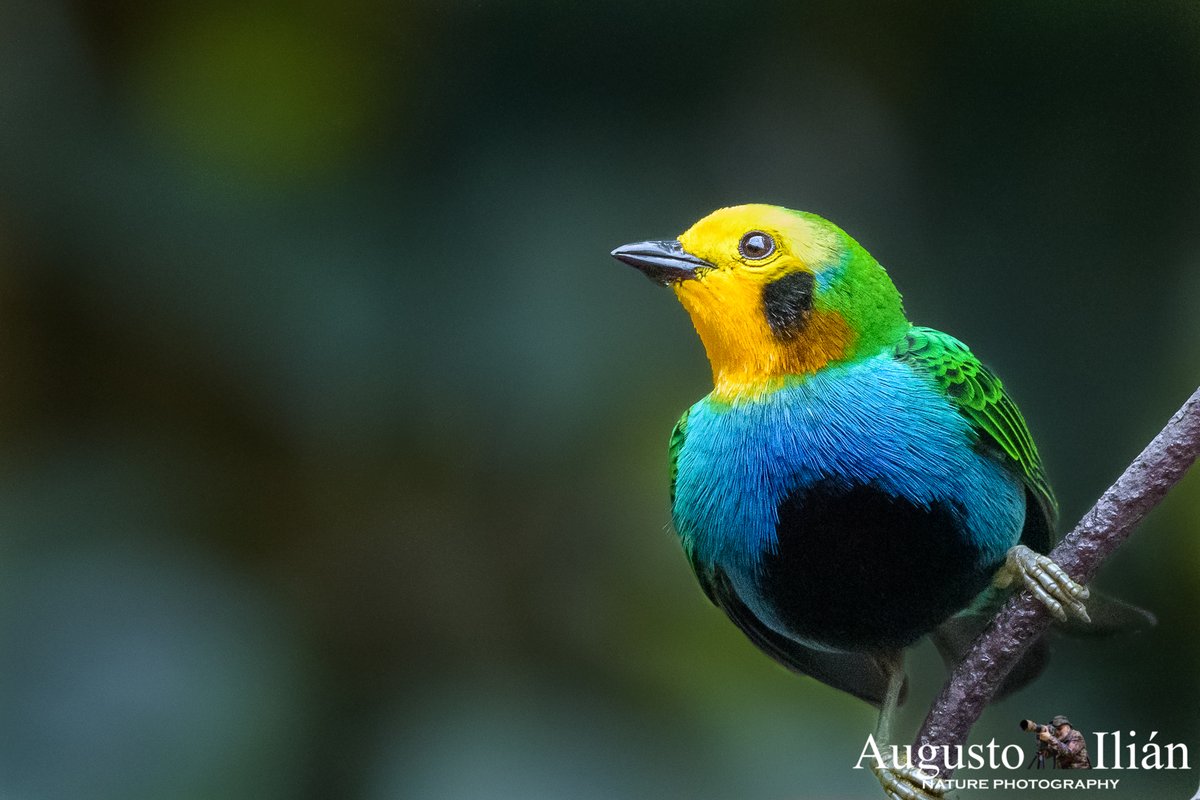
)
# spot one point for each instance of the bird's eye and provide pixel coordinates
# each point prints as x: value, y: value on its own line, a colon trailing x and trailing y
x: 756, y: 245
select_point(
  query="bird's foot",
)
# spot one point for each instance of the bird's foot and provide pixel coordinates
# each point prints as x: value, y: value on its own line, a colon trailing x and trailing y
x: 1047, y: 581
x: 906, y: 782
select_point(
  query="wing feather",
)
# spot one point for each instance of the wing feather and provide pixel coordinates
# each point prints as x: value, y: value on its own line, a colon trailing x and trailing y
x: 856, y: 673
x: 678, y: 435
x: 980, y: 397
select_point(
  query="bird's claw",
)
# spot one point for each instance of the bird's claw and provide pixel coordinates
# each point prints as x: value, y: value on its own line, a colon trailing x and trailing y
x: 1047, y: 581
x: 906, y: 782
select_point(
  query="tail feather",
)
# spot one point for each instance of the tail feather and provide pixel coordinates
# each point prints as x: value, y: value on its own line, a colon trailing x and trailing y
x: 954, y: 637
x: 1110, y: 616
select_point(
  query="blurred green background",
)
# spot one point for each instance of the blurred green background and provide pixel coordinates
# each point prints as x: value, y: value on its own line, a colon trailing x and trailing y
x: 332, y: 441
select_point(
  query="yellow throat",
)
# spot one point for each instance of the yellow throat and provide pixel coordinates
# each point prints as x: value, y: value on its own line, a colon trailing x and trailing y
x: 726, y: 304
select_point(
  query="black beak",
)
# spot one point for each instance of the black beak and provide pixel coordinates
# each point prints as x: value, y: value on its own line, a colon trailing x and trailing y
x: 662, y: 262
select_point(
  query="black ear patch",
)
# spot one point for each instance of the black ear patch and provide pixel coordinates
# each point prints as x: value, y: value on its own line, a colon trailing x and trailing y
x: 788, y: 302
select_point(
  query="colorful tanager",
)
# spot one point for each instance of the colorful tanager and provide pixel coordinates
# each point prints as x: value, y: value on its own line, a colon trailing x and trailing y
x: 853, y: 482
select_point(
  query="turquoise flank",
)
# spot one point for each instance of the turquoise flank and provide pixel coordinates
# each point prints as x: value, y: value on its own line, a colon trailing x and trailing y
x: 873, y: 421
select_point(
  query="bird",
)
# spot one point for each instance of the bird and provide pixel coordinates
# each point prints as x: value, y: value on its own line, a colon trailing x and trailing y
x: 853, y: 482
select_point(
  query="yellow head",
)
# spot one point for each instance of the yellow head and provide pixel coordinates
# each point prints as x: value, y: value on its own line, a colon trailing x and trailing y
x: 773, y: 293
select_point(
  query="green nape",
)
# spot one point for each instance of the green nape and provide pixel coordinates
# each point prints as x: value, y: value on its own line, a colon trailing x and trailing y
x: 860, y: 289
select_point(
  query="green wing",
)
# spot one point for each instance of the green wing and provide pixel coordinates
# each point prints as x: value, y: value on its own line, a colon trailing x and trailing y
x: 980, y: 397
x: 678, y: 434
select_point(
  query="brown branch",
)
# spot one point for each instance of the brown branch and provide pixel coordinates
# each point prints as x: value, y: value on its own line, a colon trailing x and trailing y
x: 1022, y: 620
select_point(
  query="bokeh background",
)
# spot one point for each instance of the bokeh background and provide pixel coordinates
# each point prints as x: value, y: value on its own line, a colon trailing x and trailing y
x: 332, y: 442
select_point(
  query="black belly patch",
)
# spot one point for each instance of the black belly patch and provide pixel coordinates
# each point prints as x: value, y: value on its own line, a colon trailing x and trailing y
x: 859, y: 568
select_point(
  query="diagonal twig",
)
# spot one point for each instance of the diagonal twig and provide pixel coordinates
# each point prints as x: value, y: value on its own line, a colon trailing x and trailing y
x: 1022, y: 619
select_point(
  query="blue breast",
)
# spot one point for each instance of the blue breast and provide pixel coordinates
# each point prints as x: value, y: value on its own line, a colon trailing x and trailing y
x: 875, y: 422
